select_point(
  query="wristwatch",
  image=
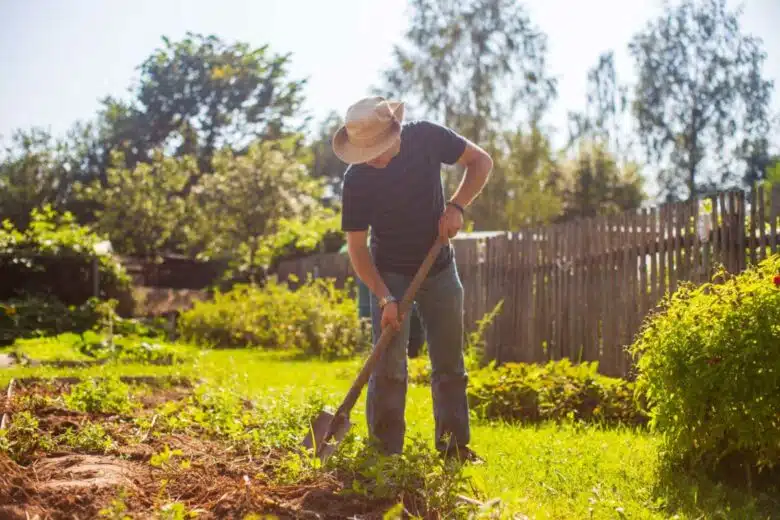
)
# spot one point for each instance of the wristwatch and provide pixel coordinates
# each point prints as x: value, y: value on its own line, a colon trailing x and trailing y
x: 387, y: 299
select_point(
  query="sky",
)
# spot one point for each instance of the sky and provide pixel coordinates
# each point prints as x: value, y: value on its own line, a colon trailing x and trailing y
x: 59, y: 58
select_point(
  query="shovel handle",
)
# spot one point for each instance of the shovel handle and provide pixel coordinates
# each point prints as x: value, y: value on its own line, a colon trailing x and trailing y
x: 389, y: 332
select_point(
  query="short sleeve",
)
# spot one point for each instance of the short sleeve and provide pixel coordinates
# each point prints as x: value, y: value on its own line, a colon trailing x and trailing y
x: 447, y: 144
x: 354, y: 205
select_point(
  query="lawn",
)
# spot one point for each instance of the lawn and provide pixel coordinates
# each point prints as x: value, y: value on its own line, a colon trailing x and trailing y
x: 545, y: 472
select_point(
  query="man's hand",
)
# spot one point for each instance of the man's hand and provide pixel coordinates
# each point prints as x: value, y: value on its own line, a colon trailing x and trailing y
x: 390, y: 316
x: 450, y: 222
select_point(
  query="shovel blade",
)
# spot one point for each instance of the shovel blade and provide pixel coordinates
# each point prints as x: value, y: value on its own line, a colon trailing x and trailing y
x: 318, y: 438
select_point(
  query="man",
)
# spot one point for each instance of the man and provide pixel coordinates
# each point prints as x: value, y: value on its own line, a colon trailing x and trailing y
x: 393, y: 186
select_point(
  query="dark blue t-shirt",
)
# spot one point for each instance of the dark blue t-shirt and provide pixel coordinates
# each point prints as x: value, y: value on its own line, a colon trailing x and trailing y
x: 402, y: 202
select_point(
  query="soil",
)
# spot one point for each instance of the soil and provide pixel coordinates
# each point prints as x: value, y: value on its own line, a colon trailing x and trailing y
x: 219, y: 483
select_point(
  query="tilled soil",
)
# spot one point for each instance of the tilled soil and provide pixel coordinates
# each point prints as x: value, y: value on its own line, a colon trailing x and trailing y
x: 218, y: 482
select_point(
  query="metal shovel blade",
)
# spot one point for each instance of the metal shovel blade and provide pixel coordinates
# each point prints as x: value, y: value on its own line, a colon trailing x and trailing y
x: 325, y: 434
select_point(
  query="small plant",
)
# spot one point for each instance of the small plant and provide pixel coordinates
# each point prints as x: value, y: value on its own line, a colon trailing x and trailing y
x: 23, y: 439
x: 709, y: 366
x: 90, y: 438
x: 105, y: 395
x: 165, y: 459
x: 116, y: 508
x: 176, y: 511
x: 475, y: 341
x: 424, y: 481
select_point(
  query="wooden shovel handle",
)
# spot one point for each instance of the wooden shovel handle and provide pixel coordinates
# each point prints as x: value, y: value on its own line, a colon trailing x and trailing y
x: 389, y: 332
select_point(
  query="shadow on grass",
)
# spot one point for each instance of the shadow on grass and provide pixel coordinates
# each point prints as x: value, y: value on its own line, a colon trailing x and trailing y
x: 731, y: 495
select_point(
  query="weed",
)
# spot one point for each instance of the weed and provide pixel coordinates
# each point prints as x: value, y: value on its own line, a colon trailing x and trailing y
x: 90, y: 438
x: 423, y: 480
x: 105, y: 395
x: 117, y: 508
x: 23, y: 439
x: 176, y: 511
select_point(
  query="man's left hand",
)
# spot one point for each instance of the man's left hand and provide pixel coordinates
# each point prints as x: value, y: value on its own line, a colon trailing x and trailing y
x: 451, y: 222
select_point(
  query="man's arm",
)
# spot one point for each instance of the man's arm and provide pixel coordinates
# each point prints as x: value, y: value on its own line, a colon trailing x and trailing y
x: 363, y: 264
x: 478, y: 165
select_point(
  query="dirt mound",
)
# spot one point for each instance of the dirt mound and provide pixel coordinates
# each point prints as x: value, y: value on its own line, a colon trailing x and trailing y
x: 75, y: 473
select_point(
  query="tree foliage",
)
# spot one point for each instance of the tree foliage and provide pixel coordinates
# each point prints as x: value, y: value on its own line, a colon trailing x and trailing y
x: 523, y: 189
x: 701, y: 98
x: 247, y: 195
x: 194, y: 97
x: 325, y: 164
x: 605, y: 110
x: 471, y: 64
x: 35, y: 171
x: 594, y: 184
x: 142, y: 209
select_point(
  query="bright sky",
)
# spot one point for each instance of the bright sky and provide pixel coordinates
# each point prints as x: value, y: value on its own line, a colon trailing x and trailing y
x: 58, y: 58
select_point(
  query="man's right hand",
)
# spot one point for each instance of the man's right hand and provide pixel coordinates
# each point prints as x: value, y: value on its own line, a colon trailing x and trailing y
x: 390, y: 316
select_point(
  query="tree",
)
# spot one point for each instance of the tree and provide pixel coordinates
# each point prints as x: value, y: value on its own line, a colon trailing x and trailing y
x: 194, y: 97
x: 141, y: 209
x: 607, y: 105
x: 35, y: 170
x: 595, y: 184
x: 700, y: 97
x: 524, y: 185
x: 470, y: 64
x: 325, y: 164
x: 247, y: 195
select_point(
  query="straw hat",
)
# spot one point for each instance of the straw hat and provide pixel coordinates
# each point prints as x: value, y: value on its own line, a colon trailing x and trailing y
x: 372, y: 125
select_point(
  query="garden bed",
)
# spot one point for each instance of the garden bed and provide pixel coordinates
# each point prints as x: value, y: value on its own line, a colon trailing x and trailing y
x: 59, y: 461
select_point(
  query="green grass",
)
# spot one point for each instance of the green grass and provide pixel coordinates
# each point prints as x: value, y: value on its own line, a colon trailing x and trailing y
x: 545, y: 472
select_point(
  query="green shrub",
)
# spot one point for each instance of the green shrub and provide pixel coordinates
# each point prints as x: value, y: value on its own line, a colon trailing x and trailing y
x: 709, y: 366
x: 557, y: 390
x: 41, y: 315
x: 53, y: 258
x: 317, y: 318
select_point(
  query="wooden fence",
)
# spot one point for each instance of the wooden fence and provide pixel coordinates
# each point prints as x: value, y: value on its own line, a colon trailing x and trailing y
x: 582, y: 289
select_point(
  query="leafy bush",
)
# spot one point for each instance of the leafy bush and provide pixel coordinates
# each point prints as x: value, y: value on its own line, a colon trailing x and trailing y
x: 53, y: 257
x: 44, y: 316
x: 317, y: 318
x: 709, y: 366
x: 557, y: 390
x: 37, y: 316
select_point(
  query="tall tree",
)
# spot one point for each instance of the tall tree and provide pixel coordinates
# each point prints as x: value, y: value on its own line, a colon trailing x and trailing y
x: 605, y: 110
x: 470, y: 64
x: 325, y: 165
x: 701, y: 97
x: 194, y: 97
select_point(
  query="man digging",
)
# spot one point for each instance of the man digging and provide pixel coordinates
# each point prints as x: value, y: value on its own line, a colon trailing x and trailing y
x: 393, y: 186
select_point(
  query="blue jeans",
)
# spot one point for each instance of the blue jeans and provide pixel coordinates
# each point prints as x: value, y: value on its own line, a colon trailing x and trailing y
x: 440, y: 303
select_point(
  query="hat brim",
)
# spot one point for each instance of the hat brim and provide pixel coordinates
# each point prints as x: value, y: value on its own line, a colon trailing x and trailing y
x: 352, y: 154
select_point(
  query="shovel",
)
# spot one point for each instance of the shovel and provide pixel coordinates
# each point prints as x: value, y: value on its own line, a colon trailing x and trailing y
x: 328, y: 430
